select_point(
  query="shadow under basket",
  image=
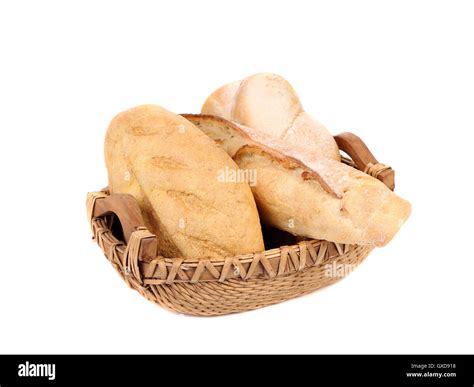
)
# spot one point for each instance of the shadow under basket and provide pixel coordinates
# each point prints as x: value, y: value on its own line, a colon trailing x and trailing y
x: 231, y: 284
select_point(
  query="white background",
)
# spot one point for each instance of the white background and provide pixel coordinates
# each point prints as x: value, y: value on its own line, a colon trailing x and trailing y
x: 399, y: 74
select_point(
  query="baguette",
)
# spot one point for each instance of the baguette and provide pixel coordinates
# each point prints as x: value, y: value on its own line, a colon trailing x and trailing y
x: 306, y: 195
x: 172, y: 169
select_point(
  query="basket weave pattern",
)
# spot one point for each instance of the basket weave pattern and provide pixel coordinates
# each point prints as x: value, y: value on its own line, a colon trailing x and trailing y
x: 234, y: 284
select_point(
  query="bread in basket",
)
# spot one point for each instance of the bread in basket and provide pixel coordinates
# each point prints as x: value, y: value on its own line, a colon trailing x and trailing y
x: 229, y: 284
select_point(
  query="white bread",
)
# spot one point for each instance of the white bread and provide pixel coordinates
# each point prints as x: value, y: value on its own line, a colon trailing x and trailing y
x: 269, y: 104
x: 310, y: 196
x: 172, y: 169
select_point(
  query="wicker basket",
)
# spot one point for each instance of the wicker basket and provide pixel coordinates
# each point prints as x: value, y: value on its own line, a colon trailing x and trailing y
x: 231, y: 284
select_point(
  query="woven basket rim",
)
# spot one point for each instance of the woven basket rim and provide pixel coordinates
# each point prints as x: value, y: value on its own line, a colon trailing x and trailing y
x: 270, y: 263
x: 241, y: 257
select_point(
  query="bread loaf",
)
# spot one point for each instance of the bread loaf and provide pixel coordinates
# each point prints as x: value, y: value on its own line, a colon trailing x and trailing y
x: 269, y: 104
x: 172, y: 169
x: 306, y: 195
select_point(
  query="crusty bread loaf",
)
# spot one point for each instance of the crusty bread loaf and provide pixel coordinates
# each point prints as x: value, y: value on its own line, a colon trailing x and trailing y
x: 268, y: 103
x: 172, y: 169
x: 307, y: 195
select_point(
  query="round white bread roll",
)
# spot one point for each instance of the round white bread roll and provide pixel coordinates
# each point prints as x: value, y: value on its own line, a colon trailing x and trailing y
x: 268, y: 103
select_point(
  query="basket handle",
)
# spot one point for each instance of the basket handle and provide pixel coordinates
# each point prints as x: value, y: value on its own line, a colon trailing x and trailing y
x: 125, y: 207
x: 363, y: 158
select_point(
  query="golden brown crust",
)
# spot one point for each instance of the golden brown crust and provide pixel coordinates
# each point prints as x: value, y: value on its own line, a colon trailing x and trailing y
x: 284, y: 160
x: 364, y: 212
x: 172, y: 169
